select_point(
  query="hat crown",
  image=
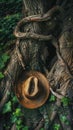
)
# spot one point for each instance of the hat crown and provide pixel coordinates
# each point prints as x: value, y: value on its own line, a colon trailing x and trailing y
x: 31, y: 88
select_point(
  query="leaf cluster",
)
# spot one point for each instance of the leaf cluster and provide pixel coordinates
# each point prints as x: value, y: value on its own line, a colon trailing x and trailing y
x: 10, y: 14
x: 10, y: 7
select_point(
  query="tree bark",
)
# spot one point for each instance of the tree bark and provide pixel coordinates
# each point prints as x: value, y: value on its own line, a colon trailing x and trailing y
x: 52, y: 57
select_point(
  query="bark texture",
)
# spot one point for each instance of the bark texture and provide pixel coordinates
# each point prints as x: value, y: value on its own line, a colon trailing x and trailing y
x: 46, y: 46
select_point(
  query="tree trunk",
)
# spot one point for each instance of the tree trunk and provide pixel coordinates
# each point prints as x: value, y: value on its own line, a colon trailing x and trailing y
x: 46, y: 47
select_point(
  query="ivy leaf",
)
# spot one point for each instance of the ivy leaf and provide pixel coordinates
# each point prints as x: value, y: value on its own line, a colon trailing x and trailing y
x: 65, y: 101
x: 13, y: 118
x: 5, y: 57
x: 63, y: 118
x: 1, y: 75
x: 18, y: 112
x: 14, y: 99
x: 19, y: 127
x: 52, y: 98
x: 2, y: 65
x: 56, y: 126
x: 7, y: 107
x: 42, y: 129
x: 18, y: 122
x: 25, y: 128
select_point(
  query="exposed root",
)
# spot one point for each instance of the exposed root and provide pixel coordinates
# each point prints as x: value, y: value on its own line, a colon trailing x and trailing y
x: 19, y: 54
x: 14, y: 127
x: 36, y: 18
x: 40, y: 124
x: 56, y: 94
x: 9, y: 79
x: 5, y: 97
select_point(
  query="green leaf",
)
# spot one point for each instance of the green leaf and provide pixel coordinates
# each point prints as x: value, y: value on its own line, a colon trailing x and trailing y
x: 13, y: 119
x: 67, y: 122
x: 65, y: 101
x: 19, y: 127
x: 14, y: 99
x: 25, y: 128
x: 1, y: 75
x: 2, y: 65
x: 18, y: 122
x: 18, y: 112
x: 5, y: 57
x: 42, y: 129
x: 52, y: 98
x: 56, y: 126
x: 7, y: 107
x: 63, y: 118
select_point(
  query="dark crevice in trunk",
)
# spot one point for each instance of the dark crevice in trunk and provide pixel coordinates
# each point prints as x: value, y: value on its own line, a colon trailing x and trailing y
x: 51, y: 59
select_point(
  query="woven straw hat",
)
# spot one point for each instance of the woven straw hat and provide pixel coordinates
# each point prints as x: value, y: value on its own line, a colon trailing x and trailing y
x: 33, y: 91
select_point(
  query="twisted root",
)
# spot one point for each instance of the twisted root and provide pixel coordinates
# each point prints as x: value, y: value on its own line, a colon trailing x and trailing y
x: 36, y: 18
